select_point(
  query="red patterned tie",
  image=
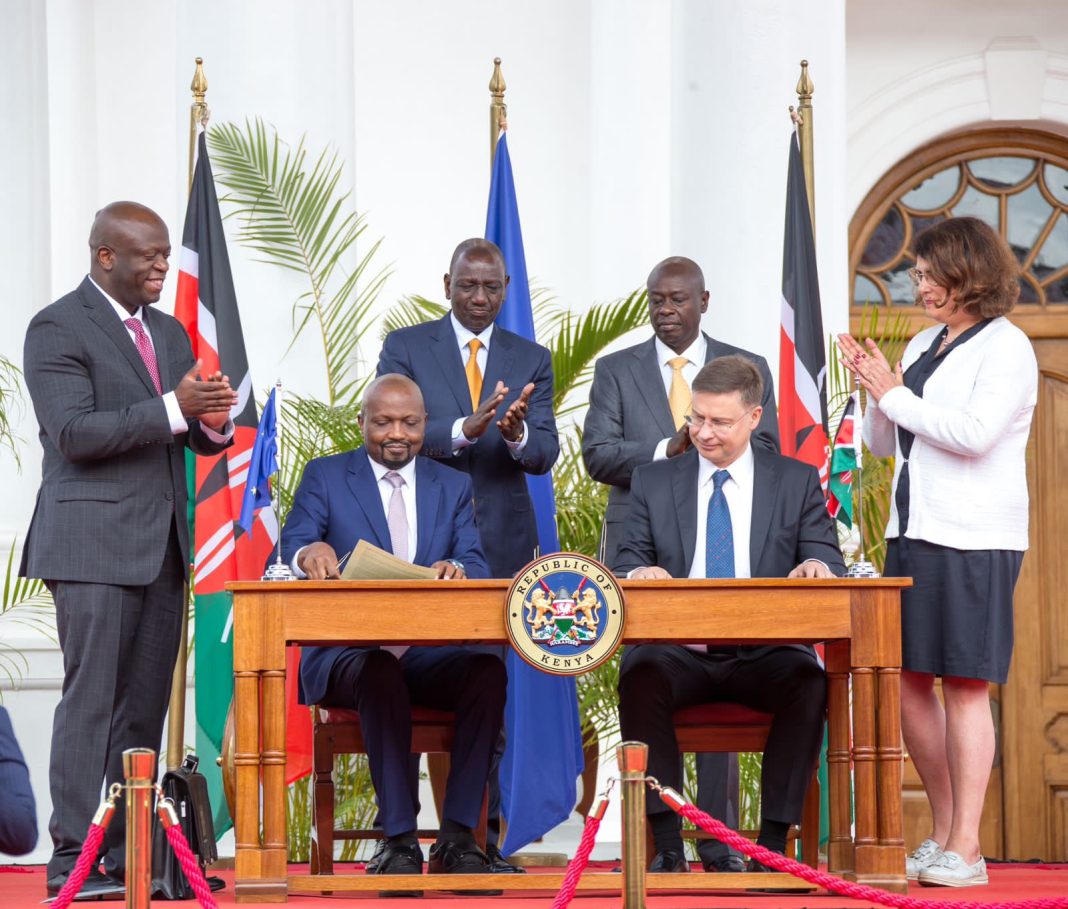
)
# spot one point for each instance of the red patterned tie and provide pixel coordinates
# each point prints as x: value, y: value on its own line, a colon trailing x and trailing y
x: 144, y: 347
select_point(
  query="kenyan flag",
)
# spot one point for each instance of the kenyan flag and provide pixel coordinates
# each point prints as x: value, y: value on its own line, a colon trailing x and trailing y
x: 845, y: 458
x: 207, y: 306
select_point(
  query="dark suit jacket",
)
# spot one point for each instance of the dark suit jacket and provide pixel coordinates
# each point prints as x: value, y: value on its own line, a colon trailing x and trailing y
x: 629, y: 414
x: 430, y: 355
x: 338, y: 503
x: 113, y: 477
x: 789, y: 524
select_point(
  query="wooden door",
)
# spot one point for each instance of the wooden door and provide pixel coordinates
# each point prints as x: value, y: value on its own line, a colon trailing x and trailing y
x: 1035, y: 699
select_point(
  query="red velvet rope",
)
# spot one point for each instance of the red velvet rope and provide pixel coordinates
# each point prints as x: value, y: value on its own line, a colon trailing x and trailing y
x: 835, y: 884
x: 578, y: 864
x: 189, y: 864
x: 86, y: 861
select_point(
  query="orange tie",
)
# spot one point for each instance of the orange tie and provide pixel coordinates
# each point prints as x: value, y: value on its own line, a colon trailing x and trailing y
x: 474, y: 374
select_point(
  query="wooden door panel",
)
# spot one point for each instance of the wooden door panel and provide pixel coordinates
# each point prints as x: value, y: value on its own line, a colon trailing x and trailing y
x: 1035, y: 699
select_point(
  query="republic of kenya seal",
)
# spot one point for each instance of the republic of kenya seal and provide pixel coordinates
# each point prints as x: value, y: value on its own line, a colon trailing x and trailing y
x: 564, y: 613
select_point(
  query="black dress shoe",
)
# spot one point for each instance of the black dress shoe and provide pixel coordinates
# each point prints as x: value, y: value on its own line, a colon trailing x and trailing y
x: 668, y: 862
x: 399, y: 858
x: 376, y: 857
x: 97, y: 886
x: 727, y: 864
x: 756, y: 867
x: 460, y: 856
x: 498, y: 864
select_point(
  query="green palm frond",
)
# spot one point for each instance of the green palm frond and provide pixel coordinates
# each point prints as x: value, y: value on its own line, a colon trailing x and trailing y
x: 292, y: 213
x: 412, y: 310
x: 580, y: 500
x: 10, y: 407
x: 25, y: 602
x: 312, y: 429
x: 576, y: 341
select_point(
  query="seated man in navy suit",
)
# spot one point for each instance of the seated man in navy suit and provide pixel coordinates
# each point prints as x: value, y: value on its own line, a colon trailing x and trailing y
x: 727, y: 508
x: 421, y: 511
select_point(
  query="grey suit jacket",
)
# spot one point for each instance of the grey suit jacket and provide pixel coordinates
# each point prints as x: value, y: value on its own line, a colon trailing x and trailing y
x: 629, y: 414
x: 113, y: 475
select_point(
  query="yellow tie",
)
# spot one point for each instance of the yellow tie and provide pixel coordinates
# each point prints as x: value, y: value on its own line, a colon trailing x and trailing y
x: 474, y: 374
x: 679, y: 397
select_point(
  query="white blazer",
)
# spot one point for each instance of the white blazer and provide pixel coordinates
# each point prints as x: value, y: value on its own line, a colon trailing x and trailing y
x: 967, y: 476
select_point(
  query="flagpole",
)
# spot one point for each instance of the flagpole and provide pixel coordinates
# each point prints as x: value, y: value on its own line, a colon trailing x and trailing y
x: 805, y: 133
x: 279, y: 571
x: 198, y: 114
x: 498, y: 109
x: 861, y: 567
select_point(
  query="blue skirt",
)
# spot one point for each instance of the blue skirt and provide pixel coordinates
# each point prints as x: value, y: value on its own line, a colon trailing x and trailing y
x: 956, y: 619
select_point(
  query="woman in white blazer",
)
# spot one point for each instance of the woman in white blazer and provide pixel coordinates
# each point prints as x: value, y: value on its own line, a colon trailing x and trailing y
x: 956, y: 414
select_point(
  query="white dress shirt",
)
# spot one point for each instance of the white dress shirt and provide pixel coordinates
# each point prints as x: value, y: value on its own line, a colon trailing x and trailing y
x: 464, y: 337
x: 738, y: 491
x: 178, y: 422
x: 695, y: 358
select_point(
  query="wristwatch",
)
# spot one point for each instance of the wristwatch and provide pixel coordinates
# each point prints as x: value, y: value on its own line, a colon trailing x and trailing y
x: 456, y: 563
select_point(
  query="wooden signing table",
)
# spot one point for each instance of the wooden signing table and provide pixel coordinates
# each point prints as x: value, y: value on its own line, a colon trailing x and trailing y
x: 859, y: 620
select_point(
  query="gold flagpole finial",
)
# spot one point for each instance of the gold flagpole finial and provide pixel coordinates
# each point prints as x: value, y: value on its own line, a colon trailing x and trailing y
x: 199, y: 113
x: 498, y: 109
x: 803, y: 122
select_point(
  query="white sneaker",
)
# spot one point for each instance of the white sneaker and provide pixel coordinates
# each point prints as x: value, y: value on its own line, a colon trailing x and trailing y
x: 925, y: 853
x: 950, y: 870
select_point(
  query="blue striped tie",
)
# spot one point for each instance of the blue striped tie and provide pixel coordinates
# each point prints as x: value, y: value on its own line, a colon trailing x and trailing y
x: 719, y: 535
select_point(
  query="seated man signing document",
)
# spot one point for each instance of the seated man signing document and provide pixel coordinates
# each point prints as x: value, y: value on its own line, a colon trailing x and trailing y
x: 727, y: 509
x: 419, y: 510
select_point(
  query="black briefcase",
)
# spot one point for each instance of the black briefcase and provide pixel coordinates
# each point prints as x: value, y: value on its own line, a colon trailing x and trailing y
x: 189, y: 792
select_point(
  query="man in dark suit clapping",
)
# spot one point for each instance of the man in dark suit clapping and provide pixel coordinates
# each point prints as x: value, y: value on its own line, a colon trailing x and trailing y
x: 118, y: 399
x: 727, y: 508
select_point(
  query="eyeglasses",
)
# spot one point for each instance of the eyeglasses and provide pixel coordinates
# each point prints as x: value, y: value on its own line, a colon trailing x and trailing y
x: 718, y: 427
x: 917, y: 277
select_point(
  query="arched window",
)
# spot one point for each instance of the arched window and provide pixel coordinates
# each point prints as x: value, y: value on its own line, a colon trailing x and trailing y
x: 1014, y: 179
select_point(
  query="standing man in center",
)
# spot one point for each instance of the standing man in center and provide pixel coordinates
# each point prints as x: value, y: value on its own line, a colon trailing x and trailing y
x: 638, y: 402
x: 489, y: 396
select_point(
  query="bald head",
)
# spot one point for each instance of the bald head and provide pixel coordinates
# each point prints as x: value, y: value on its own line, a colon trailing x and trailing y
x: 683, y: 268
x: 130, y: 247
x: 677, y: 300
x: 393, y: 420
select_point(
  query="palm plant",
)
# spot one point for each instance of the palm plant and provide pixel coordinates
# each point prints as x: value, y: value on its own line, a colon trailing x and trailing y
x: 23, y: 601
x: 292, y: 214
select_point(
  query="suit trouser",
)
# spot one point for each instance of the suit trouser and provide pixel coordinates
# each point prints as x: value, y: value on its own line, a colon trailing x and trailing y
x: 657, y: 679
x: 119, y: 646
x: 383, y: 689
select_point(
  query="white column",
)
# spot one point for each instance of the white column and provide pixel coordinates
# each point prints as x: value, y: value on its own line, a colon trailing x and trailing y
x: 735, y: 68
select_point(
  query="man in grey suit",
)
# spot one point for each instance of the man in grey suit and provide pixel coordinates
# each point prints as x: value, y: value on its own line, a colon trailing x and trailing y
x: 637, y: 404
x: 118, y: 398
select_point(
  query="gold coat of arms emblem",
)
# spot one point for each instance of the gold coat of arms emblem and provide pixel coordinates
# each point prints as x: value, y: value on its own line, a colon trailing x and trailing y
x: 564, y: 613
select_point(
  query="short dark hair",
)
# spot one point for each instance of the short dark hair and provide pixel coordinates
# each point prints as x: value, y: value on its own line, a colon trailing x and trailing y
x: 969, y: 258
x: 734, y: 373
x: 479, y: 246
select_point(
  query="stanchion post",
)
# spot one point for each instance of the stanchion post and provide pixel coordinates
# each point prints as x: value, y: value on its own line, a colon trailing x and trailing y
x: 633, y: 759
x: 139, y: 768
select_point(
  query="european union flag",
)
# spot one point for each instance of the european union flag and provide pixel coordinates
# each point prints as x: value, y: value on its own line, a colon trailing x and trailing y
x: 264, y: 463
x: 543, y: 758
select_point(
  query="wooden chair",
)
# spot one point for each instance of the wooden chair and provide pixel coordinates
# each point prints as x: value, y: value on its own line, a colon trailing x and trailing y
x: 337, y: 731
x: 732, y: 727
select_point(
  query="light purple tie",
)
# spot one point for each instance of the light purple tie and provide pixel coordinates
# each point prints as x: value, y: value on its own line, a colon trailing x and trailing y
x: 397, y: 517
x: 398, y: 532
x: 144, y: 347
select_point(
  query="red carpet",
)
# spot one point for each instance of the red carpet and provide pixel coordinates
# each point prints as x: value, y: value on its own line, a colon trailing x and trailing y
x: 22, y: 888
